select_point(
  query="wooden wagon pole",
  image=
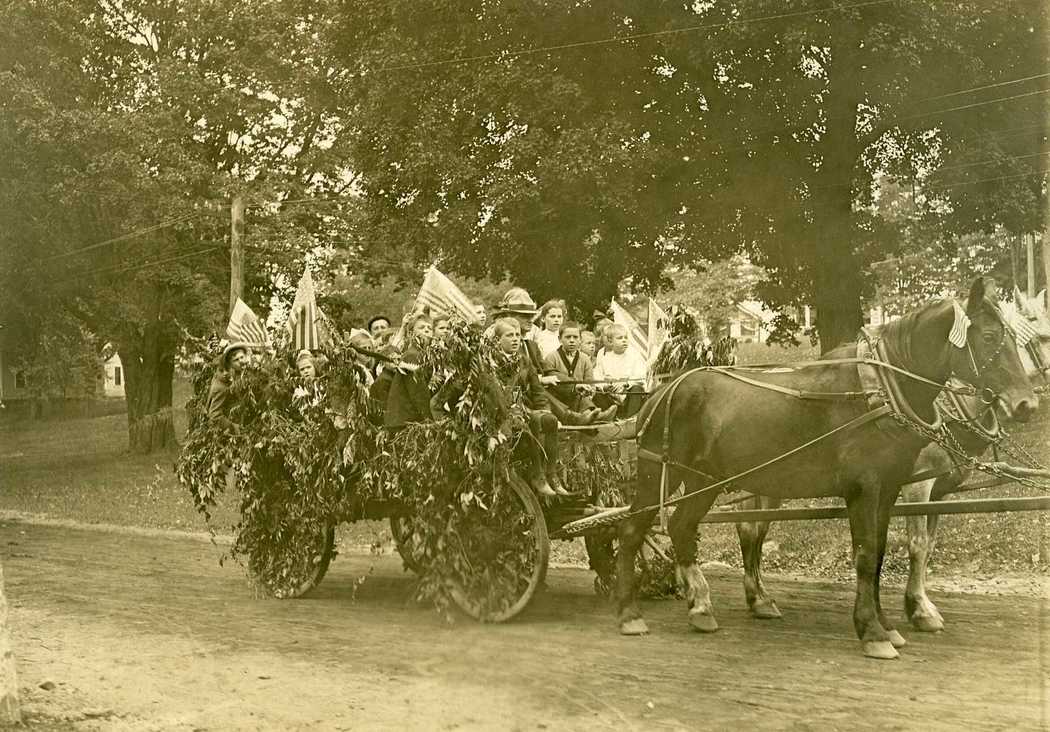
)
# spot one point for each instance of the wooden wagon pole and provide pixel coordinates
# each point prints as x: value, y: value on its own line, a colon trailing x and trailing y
x: 1015, y: 471
x: 9, y: 710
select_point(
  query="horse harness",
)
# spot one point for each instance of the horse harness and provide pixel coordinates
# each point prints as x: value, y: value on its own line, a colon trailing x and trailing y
x: 880, y: 389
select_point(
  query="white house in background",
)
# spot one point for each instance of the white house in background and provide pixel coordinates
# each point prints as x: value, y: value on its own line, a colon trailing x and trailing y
x: 113, y: 380
x: 751, y: 322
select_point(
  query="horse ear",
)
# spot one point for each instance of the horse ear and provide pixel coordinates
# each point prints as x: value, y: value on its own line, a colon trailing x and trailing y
x: 982, y: 288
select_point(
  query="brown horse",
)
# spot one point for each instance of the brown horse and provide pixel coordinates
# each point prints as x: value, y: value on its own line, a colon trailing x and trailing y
x: 974, y: 427
x: 708, y: 426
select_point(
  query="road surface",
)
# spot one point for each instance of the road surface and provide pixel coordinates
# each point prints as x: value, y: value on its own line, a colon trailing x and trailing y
x: 145, y: 632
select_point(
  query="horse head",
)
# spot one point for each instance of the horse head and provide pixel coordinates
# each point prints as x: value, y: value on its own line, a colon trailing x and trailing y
x: 972, y: 343
x: 988, y: 357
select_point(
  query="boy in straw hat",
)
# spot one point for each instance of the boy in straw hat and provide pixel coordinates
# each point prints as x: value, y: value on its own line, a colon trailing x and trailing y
x: 234, y: 360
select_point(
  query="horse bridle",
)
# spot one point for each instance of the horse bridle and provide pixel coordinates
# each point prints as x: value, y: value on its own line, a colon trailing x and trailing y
x: 988, y: 397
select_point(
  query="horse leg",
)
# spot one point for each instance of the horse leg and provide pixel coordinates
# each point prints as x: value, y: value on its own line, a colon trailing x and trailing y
x: 887, y: 497
x: 862, y: 505
x: 921, y: 612
x: 631, y: 535
x: 752, y: 535
x: 683, y: 527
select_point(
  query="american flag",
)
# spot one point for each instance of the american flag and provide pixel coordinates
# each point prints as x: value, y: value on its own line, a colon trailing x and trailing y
x: 306, y: 321
x: 659, y: 331
x: 441, y: 295
x: 1024, y: 332
x: 245, y: 326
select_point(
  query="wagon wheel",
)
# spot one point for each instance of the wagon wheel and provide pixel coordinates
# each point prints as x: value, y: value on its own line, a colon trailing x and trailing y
x: 406, y: 543
x: 505, y: 559
x: 297, y: 565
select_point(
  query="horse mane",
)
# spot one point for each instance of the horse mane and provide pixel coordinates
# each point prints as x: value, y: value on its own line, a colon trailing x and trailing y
x: 899, y: 335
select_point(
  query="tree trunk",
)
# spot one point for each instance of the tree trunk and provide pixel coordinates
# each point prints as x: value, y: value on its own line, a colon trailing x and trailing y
x: 148, y: 372
x: 837, y: 279
x: 9, y: 711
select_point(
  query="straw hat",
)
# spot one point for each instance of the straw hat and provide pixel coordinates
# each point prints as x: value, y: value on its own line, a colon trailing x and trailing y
x: 516, y: 302
x: 231, y: 349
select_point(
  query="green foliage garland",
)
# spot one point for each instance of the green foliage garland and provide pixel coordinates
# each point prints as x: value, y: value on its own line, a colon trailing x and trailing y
x: 308, y: 455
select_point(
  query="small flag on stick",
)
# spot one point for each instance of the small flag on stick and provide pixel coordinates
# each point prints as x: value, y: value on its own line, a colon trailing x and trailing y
x: 659, y: 330
x: 245, y: 326
x: 441, y: 295
x: 306, y: 319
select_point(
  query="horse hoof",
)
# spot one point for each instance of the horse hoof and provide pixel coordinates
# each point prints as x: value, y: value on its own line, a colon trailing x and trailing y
x: 896, y: 639
x: 703, y: 622
x: 766, y: 611
x: 882, y: 650
x: 927, y: 624
x: 634, y: 627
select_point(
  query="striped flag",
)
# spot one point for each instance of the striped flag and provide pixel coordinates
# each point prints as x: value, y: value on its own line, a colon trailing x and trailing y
x: 245, y: 326
x: 659, y: 330
x: 306, y: 321
x: 442, y: 297
x: 1017, y: 320
x: 957, y: 335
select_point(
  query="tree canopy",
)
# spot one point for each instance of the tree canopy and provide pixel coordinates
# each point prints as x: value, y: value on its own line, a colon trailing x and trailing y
x: 567, y: 146
x: 513, y: 136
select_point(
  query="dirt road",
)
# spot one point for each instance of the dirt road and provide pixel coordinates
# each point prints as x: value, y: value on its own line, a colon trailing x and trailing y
x: 139, y: 632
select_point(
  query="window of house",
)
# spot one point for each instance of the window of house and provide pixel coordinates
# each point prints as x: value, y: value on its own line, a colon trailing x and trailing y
x: 117, y: 375
x: 20, y: 379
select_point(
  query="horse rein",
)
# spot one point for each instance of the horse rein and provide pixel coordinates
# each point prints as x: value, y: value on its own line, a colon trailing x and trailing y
x: 886, y: 371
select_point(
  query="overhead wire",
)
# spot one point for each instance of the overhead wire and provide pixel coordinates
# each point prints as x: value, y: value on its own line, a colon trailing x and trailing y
x: 119, y: 269
x: 625, y: 38
x: 993, y: 161
x: 167, y: 223
x: 975, y: 104
x: 988, y: 86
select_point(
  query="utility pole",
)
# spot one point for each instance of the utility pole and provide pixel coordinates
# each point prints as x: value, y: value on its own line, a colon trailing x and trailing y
x: 1029, y: 241
x: 236, y: 249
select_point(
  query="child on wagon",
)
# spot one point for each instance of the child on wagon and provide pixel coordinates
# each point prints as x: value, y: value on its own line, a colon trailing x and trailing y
x: 589, y: 345
x: 569, y: 363
x: 542, y: 473
x: 619, y: 364
x: 552, y: 316
x: 408, y: 398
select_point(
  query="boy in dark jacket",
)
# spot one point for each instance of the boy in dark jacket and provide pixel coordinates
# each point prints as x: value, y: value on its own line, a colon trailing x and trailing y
x: 543, y: 449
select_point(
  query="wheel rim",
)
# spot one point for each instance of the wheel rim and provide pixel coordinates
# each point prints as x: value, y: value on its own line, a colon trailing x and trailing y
x: 294, y: 573
x: 533, y: 528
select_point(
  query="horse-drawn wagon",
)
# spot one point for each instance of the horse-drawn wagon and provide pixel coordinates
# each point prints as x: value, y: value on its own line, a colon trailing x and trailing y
x: 851, y: 425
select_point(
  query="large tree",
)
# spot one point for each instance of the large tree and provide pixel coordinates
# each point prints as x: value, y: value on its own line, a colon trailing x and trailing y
x: 144, y: 117
x: 511, y: 136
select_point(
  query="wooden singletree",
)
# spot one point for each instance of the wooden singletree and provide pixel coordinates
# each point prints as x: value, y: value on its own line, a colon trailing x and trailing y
x: 9, y: 712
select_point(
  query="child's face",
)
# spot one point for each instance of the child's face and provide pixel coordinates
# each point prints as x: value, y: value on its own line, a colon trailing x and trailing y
x: 570, y: 340
x: 423, y: 330
x: 510, y: 341
x: 554, y: 318
x: 617, y: 342
x: 588, y: 344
